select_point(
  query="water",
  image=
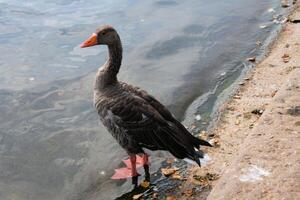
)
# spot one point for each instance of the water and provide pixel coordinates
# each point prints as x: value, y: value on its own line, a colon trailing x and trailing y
x: 52, y: 145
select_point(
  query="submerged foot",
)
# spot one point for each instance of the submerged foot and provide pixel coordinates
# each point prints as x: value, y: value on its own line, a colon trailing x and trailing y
x: 132, y: 163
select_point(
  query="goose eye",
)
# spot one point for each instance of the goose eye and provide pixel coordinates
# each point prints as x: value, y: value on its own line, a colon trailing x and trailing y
x: 103, y: 33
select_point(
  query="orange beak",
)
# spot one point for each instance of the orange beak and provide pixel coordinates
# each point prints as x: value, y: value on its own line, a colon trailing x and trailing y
x: 91, y: 41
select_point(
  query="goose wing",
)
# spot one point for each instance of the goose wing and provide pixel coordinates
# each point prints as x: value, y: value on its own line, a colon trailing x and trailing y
x: 151, y: 125
x: 164, y: 112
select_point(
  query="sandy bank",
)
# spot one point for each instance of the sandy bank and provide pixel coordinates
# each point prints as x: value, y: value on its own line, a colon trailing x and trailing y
x: 258, y: 135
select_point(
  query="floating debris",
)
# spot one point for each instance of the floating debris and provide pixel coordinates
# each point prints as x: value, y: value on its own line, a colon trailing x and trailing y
x: 198, y: 117
x: 263, y: 26
x: 271, y: 10
x: 102, y: 173
x: 31, y: 79
x: 223, y: 74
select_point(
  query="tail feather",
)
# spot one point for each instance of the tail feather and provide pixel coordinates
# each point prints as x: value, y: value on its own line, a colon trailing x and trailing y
x: 198, y: 142
x: 183, y: 144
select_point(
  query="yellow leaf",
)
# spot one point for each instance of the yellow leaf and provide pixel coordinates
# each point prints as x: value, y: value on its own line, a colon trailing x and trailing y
x: 137, y: 196
x: 176, y: 175
x: 170, y: 198
x: 145, y: 184
x: 168, y: 171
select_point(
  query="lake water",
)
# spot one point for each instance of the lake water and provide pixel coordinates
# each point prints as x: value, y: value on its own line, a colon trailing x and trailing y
x: 185, y: 53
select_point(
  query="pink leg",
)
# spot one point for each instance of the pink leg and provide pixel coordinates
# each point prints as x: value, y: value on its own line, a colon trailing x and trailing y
x: 134, y: 162
x: 133, y: 165
x: 139, y: 162
x: 134, y: 173
x: 145, y: 159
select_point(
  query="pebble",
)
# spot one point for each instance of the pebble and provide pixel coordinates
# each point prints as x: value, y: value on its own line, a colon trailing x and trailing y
x: 198, y: 117
x: 251, y: 59
x: 286, y: 58
x: 258, y: 43
x: 236, y: 97
x: 284, y: 3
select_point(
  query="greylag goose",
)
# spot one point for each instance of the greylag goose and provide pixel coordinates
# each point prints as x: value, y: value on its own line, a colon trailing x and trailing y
x: 134, y: 118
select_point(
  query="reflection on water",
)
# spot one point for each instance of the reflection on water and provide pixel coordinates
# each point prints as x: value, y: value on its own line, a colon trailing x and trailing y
x: 52, y: 145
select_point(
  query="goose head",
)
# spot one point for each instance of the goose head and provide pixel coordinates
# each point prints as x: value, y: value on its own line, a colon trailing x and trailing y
x: 105, y: 35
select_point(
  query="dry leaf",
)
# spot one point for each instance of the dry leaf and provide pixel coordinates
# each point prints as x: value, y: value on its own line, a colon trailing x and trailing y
x: 286, y: 58
x: 154, y: 196
x: 145, y: 184
x: 188, y: 192
x: 170, y: 160
x: 170, y: 198
x: 176, y: 176
x: 206, y: 178
x: 168, y: 171
x: 137, y: 196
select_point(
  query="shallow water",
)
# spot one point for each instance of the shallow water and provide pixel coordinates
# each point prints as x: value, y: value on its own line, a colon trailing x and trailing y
x: 52, y: 145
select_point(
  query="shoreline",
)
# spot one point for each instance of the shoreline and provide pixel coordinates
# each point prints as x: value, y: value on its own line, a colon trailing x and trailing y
x: 248, y: 116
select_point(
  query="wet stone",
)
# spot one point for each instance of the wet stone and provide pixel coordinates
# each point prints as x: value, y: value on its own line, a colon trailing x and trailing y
x: 284, y: 3
x: 251, y: 59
